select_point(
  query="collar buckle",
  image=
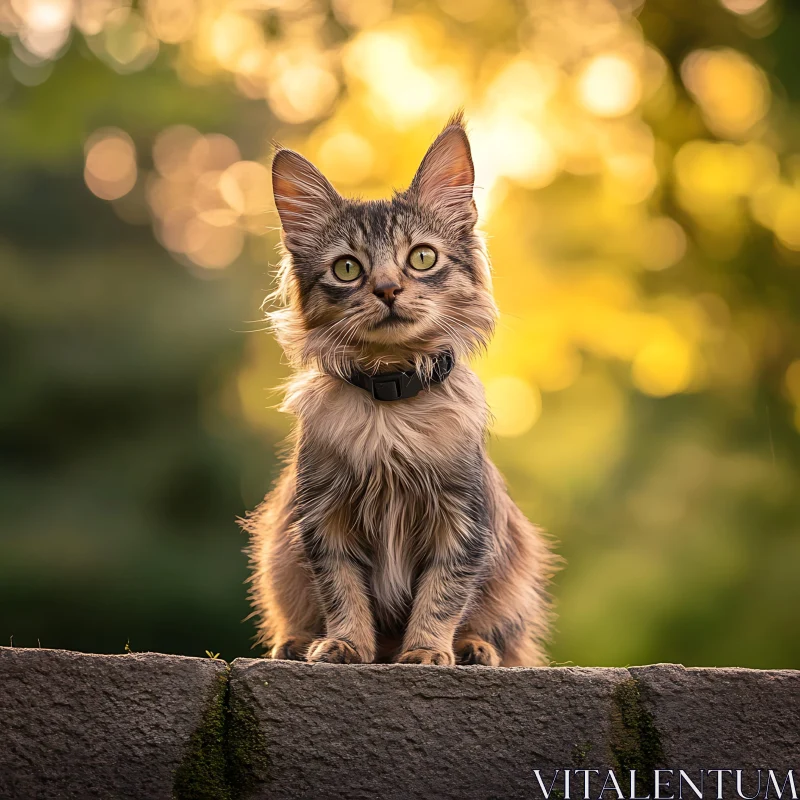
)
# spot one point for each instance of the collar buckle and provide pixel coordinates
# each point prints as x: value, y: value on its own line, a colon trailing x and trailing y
x: 388, y: 387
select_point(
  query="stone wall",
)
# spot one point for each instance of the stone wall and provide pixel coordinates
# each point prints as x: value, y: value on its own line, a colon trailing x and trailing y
x: 146, y: 726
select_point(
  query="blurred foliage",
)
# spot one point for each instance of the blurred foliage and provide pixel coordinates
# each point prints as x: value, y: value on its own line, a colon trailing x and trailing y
x: 639, y: 182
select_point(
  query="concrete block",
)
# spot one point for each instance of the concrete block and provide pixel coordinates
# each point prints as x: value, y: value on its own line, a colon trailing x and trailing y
x: 403, y: 731
x: 724, y: 718
x: 94, y: 726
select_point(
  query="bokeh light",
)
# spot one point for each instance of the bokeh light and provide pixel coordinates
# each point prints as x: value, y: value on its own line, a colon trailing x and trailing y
x: 346, y: 157
x: 514, y: 403
x: 609, y: 86
x: 394, y: 66
x: 110, y: 170
x: 731, y: 91
x: 171, y: 21
x: 663, y: 365
x: 302, y: 86
x: 663, y: 243
x: 743, y: 6
x: 361, y: 13
x: 204, y: 197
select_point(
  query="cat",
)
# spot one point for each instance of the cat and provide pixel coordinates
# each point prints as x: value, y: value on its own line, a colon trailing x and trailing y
x: 390, y: 535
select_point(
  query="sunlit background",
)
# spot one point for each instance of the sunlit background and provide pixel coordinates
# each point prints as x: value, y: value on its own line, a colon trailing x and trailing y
x: 638, y: 179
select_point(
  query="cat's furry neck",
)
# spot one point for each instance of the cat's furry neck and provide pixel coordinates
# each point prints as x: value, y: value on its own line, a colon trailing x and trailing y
x: 310, y: 348
x: 377, y: 359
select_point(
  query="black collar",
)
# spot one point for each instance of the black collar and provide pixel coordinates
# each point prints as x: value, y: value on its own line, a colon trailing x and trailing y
x: 405, y: 384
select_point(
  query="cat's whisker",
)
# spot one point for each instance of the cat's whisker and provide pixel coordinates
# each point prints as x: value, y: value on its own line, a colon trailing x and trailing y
x: 267, y: 329
x: 331, y: 329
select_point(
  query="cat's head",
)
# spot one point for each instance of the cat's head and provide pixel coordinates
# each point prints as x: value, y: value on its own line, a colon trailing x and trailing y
x: 387, y: 282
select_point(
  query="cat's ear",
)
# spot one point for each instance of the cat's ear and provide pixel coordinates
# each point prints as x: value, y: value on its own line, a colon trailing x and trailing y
x: 303, y: 196
x: 446, y: 176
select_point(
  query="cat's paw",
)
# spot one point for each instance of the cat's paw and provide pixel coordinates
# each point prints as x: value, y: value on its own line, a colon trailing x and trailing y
x: 426, y: 655
x: 477, y: 651
x: 292, y: 648
x: 334, y: 651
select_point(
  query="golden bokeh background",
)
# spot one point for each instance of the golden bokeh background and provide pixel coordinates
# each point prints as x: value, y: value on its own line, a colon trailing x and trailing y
x: 638, y: 179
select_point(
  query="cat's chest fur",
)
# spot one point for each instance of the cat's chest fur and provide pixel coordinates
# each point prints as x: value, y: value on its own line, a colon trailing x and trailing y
x: 399, y: 458
x: 427, y: 432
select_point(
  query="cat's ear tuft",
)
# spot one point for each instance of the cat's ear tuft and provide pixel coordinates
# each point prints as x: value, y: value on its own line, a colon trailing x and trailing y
x: 446, y: 176
x: 303, y: 196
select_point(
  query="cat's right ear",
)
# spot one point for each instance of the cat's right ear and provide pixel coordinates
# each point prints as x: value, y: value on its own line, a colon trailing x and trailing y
x: 303, y: 196
x: 445, y: 178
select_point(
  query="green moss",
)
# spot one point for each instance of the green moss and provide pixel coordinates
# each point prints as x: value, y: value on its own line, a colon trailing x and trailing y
x: 227, y: 755
x: 635, y: 743
x: 203, y: 773
x: 246, y: 748
x: 580, y: 754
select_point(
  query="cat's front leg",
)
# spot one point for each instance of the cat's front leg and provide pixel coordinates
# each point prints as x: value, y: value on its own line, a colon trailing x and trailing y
x: 445, y: 590
x: 349, y: 628
x: 335, y: 556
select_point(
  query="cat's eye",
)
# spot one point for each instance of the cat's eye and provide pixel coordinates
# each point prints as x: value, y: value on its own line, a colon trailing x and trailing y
x: 422, y: 257
x: 347, y: 269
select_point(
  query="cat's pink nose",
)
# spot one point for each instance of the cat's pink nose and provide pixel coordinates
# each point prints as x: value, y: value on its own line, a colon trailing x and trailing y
x: 387, y: 292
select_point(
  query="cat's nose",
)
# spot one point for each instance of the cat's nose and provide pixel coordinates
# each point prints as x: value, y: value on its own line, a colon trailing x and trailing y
x: 387, y: 292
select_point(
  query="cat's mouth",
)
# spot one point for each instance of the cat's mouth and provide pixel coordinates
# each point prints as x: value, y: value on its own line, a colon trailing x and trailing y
x: 392, y: 319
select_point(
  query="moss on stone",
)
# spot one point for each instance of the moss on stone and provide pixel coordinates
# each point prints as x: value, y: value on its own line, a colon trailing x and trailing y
x: 580, y: 753
x: 227, y: 755
x: 635, y: 742
x: 203, y: 772
x: 246, y: 748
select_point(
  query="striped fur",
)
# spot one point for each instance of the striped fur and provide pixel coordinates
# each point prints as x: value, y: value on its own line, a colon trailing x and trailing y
x: 390, y: 534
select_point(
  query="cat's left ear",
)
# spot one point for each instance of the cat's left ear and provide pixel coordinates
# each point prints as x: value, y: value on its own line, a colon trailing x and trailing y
x: 304, y: 198
x: 446, y: 176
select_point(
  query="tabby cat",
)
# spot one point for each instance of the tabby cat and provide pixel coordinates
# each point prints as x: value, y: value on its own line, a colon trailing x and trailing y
x: 390, y: 535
